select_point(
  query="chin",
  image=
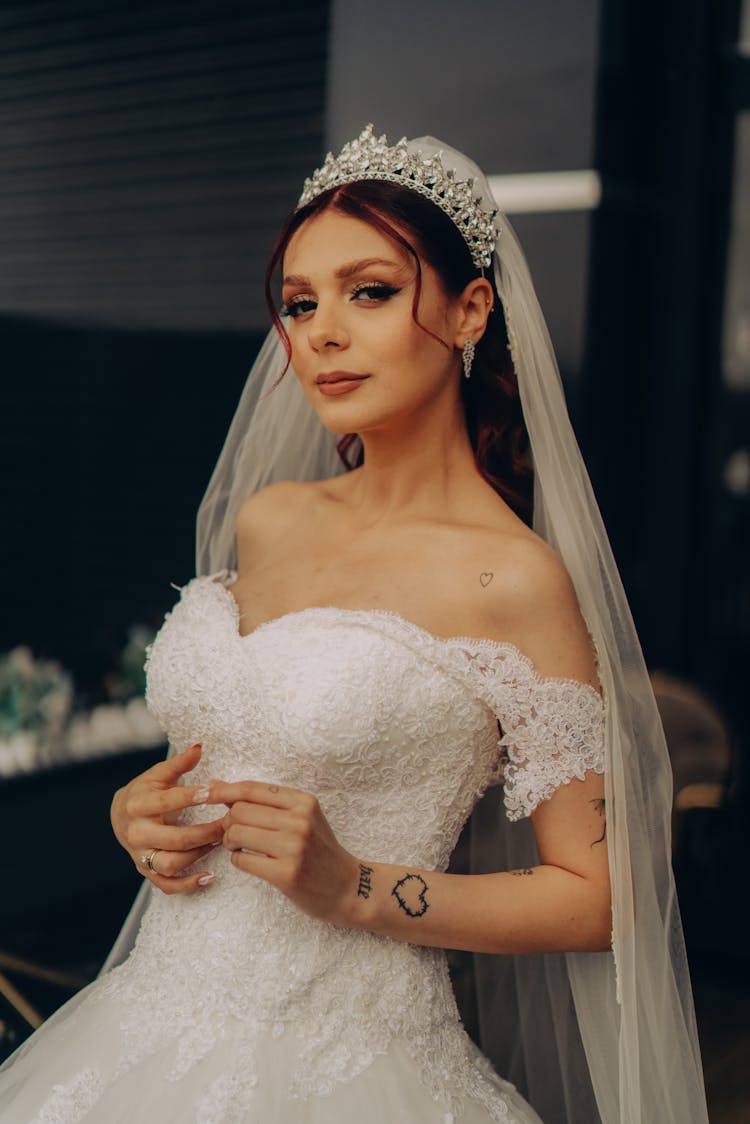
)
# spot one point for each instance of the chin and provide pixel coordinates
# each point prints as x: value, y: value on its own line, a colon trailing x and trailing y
x: 342, y: 417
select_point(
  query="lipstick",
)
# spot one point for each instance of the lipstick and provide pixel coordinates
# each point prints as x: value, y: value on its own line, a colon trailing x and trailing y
x: 338, y: 382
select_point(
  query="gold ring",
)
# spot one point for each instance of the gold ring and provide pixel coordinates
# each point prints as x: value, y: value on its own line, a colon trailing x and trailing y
x: 148, y: 860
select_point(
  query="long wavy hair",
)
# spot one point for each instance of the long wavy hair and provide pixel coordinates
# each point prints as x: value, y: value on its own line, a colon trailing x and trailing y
x: 492, y: 405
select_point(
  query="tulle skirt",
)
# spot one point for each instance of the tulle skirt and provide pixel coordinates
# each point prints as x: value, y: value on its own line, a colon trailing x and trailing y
x: 67, y: 1073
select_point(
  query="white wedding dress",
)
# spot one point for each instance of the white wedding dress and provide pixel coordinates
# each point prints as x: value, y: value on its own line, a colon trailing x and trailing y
x: 234, y: 1006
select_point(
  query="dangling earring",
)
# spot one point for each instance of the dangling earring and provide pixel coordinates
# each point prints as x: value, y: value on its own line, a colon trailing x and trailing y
x: 468, y: 357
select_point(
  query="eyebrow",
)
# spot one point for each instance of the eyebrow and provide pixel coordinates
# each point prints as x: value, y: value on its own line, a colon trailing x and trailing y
x: 344, y: 271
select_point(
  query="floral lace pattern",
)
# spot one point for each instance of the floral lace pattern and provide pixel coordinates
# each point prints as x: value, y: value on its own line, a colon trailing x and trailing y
x: 72, y: 1101
x: 396, y: 732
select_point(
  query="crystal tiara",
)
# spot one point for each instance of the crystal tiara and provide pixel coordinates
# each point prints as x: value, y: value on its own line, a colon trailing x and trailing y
x: 369, y: 158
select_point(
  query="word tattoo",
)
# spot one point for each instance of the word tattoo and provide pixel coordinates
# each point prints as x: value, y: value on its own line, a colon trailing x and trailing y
x: 517, y: 873
x: 485, y: 578
x: 410, y: 892
x: 600, y: 807
x: 365, y: 881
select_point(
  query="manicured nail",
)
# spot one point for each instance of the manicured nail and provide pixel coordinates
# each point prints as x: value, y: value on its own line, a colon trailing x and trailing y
x: 201, y: 796
x: 205, y: 879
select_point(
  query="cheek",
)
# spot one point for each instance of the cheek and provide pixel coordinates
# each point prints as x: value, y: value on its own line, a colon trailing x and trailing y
x: 300, y: 355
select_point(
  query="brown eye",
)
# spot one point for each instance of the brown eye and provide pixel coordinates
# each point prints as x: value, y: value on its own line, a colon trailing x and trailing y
x: 295, y: 308
x: 376, y: 291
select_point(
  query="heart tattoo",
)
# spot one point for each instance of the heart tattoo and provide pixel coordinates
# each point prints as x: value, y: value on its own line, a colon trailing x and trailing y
x: 410, y: 892
x: 485, y: 578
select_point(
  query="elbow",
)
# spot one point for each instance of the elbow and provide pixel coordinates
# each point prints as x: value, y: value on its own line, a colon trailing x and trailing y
x: 591, y: 923
x: 601, y: 941
x: 600, y: 930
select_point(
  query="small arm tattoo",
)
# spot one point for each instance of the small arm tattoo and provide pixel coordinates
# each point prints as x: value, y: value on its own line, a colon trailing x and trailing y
x: 485, y: 578
x: 365, y: 881
x: 410, y: 893
x: 517, y: 873
x: 600, y: 807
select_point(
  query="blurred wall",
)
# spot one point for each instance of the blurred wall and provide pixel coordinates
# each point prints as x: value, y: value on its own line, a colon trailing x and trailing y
x: 150, y: 153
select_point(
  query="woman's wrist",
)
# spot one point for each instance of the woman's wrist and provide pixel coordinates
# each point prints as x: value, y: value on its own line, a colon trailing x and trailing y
x: 361, y: 903
x: 385, y: 895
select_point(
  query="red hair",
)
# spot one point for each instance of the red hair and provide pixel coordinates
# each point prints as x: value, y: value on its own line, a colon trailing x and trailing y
x: 492, y: 406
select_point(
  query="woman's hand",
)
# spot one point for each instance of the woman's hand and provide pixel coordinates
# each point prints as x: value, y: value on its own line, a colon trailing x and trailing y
x: 281, y: 835
x: 140, y: 816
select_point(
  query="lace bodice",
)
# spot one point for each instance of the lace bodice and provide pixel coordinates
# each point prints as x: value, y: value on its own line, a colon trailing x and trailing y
x: 396, y: 732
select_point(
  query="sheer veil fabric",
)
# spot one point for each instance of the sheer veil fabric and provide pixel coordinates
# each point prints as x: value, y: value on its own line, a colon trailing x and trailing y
x: 587, y: 1037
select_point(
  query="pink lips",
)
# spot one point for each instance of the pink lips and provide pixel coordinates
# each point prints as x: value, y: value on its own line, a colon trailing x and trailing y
x: 338, y: 382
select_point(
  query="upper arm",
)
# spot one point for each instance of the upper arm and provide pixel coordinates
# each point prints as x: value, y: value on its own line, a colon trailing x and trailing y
x: 571, y: 828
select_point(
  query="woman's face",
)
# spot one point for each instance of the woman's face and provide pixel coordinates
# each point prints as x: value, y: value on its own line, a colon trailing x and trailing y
x: 348, y: 290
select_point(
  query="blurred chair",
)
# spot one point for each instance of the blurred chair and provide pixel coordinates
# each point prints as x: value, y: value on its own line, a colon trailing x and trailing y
x: 699, y: 746
x: 697, y: 739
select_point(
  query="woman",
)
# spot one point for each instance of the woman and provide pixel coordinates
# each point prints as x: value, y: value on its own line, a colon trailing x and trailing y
x: 346, y: 682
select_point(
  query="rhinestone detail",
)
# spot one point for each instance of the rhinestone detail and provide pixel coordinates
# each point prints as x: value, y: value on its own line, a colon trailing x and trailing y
x: 370, y: 158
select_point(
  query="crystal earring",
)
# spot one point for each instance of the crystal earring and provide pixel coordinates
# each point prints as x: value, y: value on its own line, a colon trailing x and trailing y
x: 468, y: 357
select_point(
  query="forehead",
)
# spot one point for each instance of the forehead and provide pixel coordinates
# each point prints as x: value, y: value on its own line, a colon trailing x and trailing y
x: 328, y: 240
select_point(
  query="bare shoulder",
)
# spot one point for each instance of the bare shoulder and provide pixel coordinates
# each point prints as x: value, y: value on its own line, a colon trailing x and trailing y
x: 530, y: 599
x: 271, y: 514
x: 274, y: 501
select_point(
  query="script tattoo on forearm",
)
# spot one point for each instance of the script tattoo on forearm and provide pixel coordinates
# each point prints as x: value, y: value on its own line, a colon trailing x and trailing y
x: 365, y: 881
x: 410, y: 893
x: 517, y: 873
x: 600, y: 807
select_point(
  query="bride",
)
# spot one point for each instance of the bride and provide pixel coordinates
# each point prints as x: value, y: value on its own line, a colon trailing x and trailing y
x: 365, y: 652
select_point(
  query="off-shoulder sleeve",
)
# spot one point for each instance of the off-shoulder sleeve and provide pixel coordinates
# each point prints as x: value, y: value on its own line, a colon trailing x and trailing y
x: 552, y: 728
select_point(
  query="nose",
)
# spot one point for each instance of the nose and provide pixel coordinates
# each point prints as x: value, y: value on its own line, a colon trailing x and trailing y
x: 326, y: 329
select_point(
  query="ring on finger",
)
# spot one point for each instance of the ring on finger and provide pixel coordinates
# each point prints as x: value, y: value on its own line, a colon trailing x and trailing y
x: 148, y: 860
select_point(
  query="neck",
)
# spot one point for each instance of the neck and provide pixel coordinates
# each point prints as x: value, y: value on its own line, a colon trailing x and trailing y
x: 415, y: 469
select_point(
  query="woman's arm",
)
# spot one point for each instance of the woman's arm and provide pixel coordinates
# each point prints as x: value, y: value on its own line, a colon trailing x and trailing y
x: 281, y: 835
x: 562, y: 905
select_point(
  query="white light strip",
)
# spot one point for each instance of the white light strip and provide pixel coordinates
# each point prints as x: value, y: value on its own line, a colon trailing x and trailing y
x: 547, y: 191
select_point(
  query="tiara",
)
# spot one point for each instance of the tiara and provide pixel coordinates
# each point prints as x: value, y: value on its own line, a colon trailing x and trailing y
x: 369, y: 158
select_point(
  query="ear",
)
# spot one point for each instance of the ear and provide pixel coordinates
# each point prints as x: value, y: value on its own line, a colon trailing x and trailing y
x: 472, y: 310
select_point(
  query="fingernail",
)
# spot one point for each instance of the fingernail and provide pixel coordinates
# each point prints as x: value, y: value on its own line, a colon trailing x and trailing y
x: 201, y: 796
x: 205, y: 879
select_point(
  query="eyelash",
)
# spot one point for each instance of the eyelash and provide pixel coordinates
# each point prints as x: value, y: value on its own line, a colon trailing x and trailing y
x: 376, y: 290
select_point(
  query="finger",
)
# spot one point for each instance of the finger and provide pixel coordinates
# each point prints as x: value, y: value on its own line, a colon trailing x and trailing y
x: 172, y: 768
x: 187, y: 884
x: 274, y: 844
x: 170, y: 864
x: 270, y: 870
x: 258, y: 815
x: 146, y: 834
x: 162, y: 801
x: 254, y: 792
